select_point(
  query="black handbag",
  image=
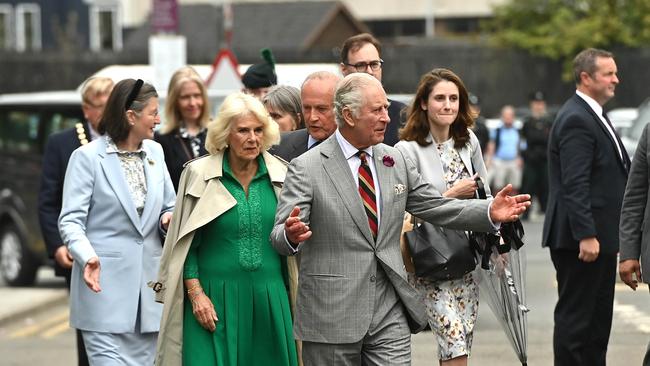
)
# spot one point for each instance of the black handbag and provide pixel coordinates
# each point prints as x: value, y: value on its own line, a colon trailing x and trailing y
x: 440, y: 254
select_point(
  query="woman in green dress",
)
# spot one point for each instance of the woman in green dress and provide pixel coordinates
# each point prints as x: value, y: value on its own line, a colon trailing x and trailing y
x: 223, y: 285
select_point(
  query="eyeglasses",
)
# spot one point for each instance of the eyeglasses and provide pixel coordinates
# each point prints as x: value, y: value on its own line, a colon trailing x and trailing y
x: 363, y: 66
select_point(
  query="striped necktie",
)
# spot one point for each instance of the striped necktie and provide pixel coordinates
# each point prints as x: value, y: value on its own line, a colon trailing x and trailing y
x: 367, y: 192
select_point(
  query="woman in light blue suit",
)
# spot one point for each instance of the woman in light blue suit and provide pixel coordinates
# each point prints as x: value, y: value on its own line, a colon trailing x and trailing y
x: 117, y: 195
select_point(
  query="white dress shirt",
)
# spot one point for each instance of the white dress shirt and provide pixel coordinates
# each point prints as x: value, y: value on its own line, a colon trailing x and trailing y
x: 598, y: 109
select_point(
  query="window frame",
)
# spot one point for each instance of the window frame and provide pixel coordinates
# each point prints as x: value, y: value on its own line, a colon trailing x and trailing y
x: 19, y: 21
x: 116, y: 23
x: 7, y: 10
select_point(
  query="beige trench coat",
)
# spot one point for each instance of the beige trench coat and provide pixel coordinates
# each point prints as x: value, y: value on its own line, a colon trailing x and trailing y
x: 201, y: 198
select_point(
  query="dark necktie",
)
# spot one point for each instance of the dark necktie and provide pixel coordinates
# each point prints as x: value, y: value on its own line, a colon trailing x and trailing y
x: 315, y: 144
x: 623, y: 153
x: 367, y: 192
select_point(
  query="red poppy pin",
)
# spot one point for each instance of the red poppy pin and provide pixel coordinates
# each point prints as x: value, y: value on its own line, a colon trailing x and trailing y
x: 388, y: 161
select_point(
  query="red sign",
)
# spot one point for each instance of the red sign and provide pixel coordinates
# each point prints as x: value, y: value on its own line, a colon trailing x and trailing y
x: 164, y: 17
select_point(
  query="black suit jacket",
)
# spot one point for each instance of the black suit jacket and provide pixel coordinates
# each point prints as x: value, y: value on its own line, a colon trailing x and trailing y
x: 586, y: 180
x: 178, y: 151
x: 397, y: 114
x: 57, y: 152
x: 292, y: 144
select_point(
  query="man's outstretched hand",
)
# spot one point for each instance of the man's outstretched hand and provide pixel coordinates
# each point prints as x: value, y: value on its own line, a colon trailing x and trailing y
x: 506, y: 208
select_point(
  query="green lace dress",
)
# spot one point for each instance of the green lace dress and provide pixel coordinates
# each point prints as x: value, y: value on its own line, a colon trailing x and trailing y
x: 246, y: 280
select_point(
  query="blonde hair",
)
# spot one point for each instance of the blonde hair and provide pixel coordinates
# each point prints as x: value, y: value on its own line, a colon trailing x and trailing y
x: 94, y: 87
x: 172, y: 114
x: 235, y: 106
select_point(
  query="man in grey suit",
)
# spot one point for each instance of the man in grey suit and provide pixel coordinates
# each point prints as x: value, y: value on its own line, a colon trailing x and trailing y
x: 317, y: 98
x: 342, y: 207
x: 634, y: 218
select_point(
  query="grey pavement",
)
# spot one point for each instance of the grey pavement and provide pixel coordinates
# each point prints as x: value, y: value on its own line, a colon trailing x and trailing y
x: 20, y: 301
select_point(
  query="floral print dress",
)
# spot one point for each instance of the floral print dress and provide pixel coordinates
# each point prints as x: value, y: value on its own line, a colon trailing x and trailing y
x: 452, y: 306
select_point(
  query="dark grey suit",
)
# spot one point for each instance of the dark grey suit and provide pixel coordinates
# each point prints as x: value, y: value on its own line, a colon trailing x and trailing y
x: 351, y: 285
x: 292, y: 145
x: 635, y: 217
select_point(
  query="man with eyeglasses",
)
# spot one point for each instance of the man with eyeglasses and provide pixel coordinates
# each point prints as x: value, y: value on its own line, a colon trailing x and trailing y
x: 362, y: 53
x: 59, y: 147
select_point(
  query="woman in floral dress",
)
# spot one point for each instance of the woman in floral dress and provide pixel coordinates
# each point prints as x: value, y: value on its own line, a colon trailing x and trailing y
x: 437, y: 137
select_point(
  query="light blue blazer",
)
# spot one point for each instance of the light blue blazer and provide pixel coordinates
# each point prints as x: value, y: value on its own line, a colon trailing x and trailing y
x: 98, y: 218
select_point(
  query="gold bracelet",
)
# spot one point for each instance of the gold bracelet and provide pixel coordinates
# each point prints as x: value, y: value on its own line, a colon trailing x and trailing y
x: 198, y: 285
x: 195, y: 294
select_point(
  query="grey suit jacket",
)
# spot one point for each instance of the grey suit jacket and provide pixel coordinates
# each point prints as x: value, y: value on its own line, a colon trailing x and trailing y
x: 635, y: 214
x: 336, y: 291
x: 98, y: 218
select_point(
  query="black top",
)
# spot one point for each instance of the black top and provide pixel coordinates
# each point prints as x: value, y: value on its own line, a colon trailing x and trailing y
x: 536, y: 131
x: 482, y: 133
x: 178, y: 151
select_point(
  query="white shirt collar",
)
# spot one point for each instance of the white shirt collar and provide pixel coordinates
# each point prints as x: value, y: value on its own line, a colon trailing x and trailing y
x: 592, y: 103
x: 93, y: 133
x: 348, y: 149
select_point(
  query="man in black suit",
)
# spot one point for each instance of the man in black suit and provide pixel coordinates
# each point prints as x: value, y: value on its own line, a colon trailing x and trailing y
x: 588, y: 169
x: 58, y: 149
x: 362, y: 53
x: 317, y: 98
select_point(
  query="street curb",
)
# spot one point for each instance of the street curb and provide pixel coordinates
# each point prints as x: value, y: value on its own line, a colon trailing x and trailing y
x: 48, y: 302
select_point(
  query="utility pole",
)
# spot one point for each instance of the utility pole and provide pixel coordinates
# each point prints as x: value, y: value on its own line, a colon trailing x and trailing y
x: 429, y: 23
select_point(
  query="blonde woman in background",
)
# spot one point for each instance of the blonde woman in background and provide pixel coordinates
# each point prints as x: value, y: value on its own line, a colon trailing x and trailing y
x: 187, y: 114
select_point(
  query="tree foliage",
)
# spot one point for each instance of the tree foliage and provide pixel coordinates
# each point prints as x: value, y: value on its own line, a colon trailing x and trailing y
x: 559, y: 29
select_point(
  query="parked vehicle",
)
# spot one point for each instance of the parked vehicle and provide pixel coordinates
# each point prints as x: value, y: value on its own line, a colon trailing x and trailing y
x: 622, y: 119
x: 632, y: 134
x: 26, y: 120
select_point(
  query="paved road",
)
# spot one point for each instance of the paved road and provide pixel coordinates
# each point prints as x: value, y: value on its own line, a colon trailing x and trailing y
x: 44, y: 337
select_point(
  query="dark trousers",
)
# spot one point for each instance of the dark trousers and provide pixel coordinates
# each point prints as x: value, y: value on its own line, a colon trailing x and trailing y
x: 583, y: 314
x: 81, y: 347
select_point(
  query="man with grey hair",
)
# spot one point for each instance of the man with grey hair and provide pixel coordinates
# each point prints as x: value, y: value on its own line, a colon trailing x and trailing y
x: 317, y: 98
x: 588, y: 169
x: 341, y: 208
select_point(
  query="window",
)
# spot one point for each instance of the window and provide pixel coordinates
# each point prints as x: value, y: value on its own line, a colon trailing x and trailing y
x: 62, y: 118
x: 5, y: 27
x: 19, y: 131
x: 28, y: 27
x: 105, y: 28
